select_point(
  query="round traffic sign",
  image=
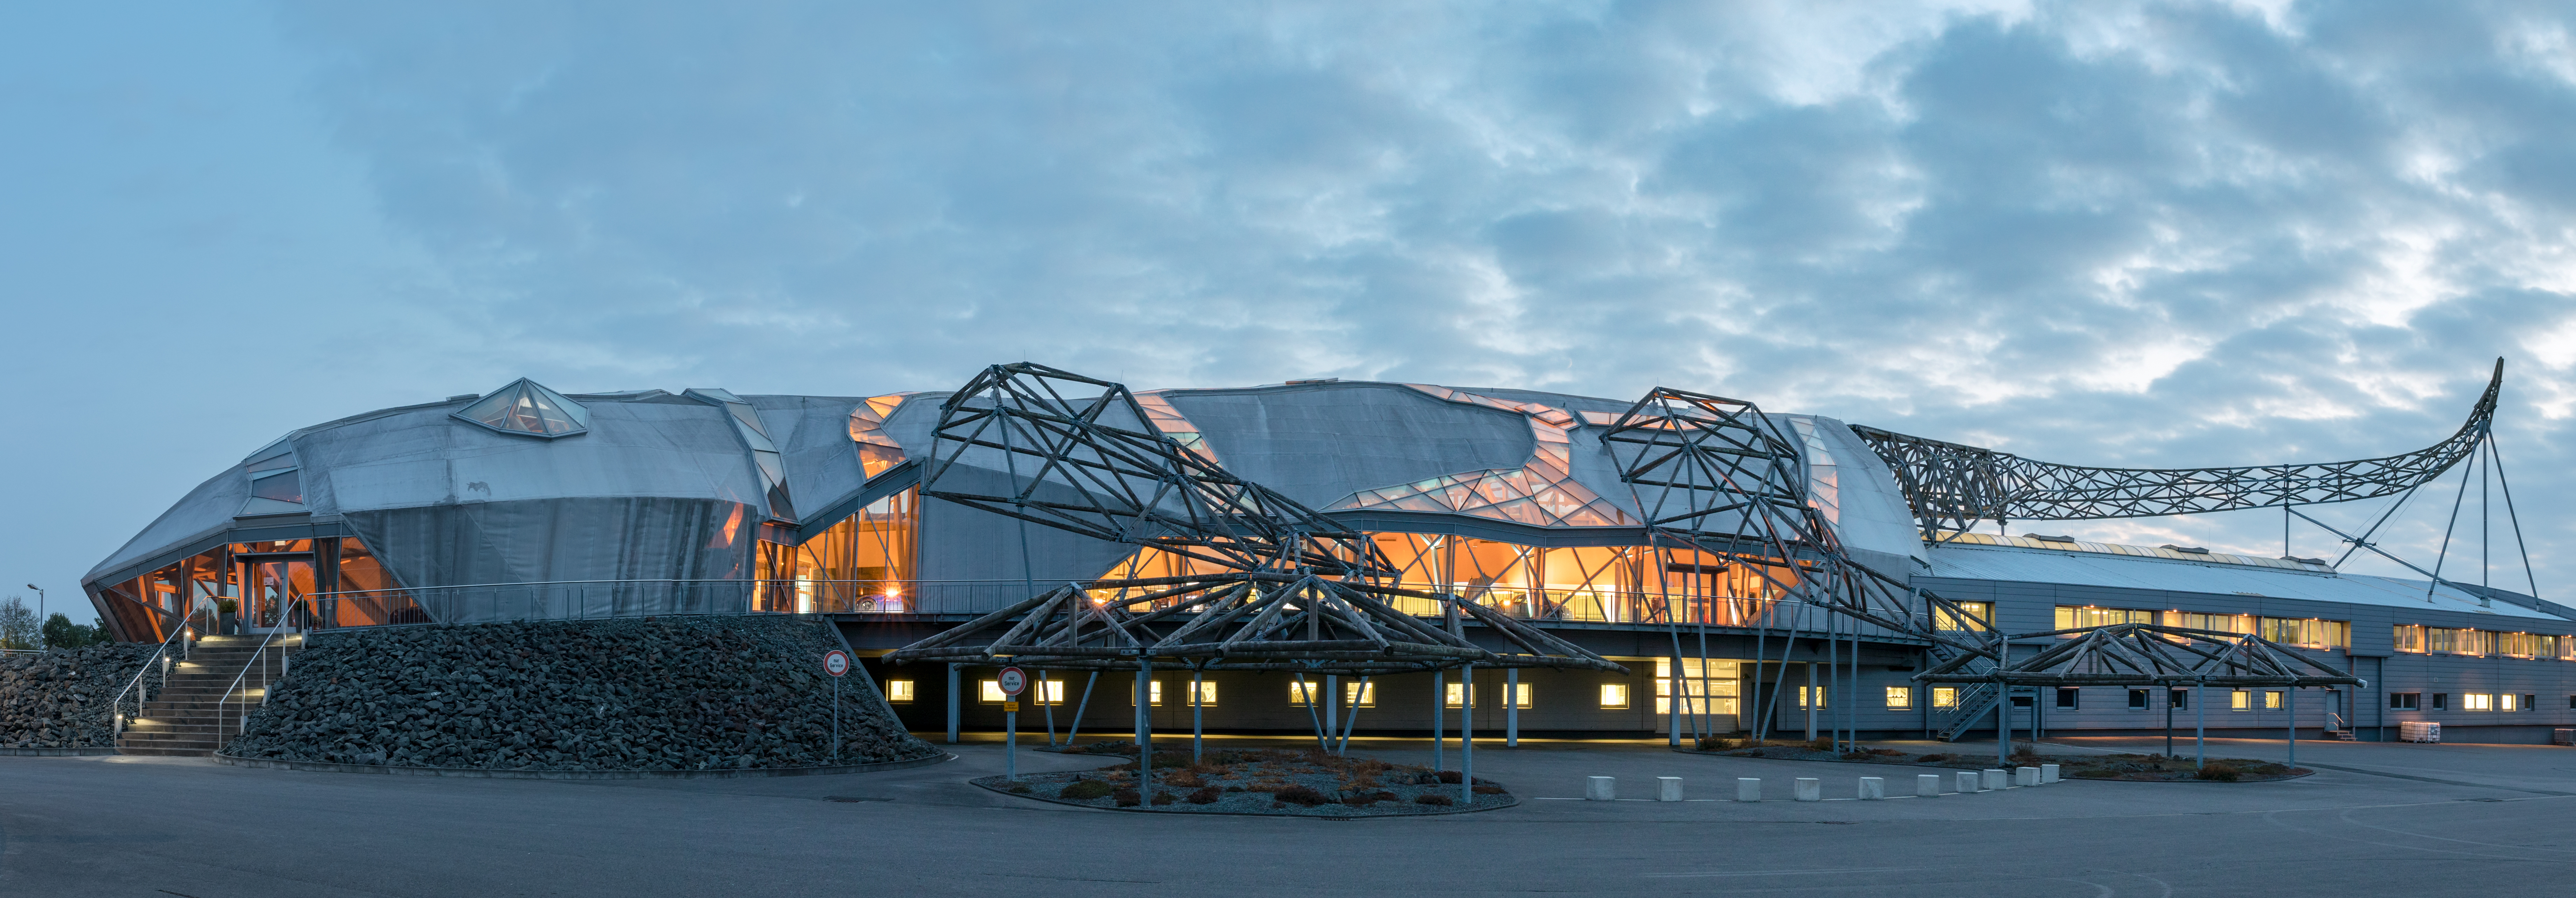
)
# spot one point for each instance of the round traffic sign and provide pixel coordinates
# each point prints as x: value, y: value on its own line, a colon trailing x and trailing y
x: 836, y: 662
x: 1013, y: 681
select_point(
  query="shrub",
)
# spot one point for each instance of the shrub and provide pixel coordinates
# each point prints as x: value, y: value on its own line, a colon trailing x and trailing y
x: 1206, y: 795
x: 1128, y: 798
x: 1085, y: 790
x: 2219, y: 772
x: 1302, y: 795
x: 1933, y: 759
x: 1019, y: 788
x: 1489, y: 790
x: 1713, y: 743
x: 1433, y: 799
x: 1163, y: 798
x: 1821, y: 745
x: 1449, y: 776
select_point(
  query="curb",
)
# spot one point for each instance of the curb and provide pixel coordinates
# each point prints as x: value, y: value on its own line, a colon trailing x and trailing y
x: 978, y: 782
x: 56, y: 752
x: 2304, y: 772
x: 479, y: 773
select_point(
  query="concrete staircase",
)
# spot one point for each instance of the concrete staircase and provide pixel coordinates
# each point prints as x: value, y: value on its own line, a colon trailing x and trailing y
x: 189, y: 716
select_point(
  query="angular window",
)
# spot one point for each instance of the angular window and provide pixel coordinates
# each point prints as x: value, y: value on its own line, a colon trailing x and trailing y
x: 275, y: 486
x: 526, y: 407
x: 764, y: 452
x: 877, y: 452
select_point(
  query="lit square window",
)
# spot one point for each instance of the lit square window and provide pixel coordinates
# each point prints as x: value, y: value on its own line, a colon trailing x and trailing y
x: 1945, y: 696
x: 1303, y: 693
x: 1614, y: 695
x: 2505, y: 703
x: 898, y: 690
x: 1053, y: 690
x: 992, y: 692
x: 1521, y: 696
x: 1153, y: 689
x: 1360, y: 695
x: 2271, y: 700
x: 1900, y: 697
x: 1207, y: 694
x: 2477, y: 701
x: 1457, y: 697
x: 2240, y: 699
x: 1811, y: 696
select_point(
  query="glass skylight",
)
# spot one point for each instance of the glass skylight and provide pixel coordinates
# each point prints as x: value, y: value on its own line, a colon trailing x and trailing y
x: 527, y: 407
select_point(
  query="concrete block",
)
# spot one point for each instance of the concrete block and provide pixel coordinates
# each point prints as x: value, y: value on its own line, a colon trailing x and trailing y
x: 1873, y: 788
x: 1927, y: 785
x: 1748, y: 788
x: 1668, y: 788
x: 2047, y: 773
x: 1600, y: 788
x: 1993, y: 778
x: 2025, y: 776
x: 1968, y: 781
x: 1810, y: 789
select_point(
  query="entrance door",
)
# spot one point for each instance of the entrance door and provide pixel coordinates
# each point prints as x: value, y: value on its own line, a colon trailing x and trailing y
x: 273, y: 590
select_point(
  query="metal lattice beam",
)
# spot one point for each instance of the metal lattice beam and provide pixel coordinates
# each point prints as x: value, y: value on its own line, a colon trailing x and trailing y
x: 1951, y: 488
x: 2150, y: 654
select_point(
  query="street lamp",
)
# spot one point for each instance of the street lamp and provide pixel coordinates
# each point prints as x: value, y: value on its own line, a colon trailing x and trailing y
x: 40, y: 614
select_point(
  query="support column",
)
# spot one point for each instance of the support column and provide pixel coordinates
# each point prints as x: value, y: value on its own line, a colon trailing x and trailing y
x: 1811, y: 697
x: 953, y: 709
x: 1332, y: 707
x: 1439, y: 712
x: 1512, y: 708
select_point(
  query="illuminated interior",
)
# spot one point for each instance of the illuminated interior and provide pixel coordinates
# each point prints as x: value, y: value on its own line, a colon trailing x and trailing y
x: 860, y: 565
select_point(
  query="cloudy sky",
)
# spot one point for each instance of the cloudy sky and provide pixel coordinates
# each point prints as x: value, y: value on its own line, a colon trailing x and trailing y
x: 2135, y: 234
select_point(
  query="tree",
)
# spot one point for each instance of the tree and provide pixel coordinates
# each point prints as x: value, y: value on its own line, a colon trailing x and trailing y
x: 18, y: 629
x: 61, y: 633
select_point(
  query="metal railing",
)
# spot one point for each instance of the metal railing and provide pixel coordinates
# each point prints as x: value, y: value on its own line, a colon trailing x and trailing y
x: 265, y: 681
x: 143, y: 694
x: 601, y: 599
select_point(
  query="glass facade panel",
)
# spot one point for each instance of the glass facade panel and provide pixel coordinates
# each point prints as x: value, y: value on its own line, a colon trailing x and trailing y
x: 2073, y: 616
x: 2307, y: 632
x: 863, y: 564
x: 1979, y: 614
x: 1709, y: 688
x: 2219, y: 623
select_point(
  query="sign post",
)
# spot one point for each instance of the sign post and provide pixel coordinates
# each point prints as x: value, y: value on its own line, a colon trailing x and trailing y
x: 836, y: 663
x: 1013, y: 682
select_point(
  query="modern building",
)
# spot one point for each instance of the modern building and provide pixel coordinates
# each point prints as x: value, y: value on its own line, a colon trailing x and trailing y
x: 526, y: 503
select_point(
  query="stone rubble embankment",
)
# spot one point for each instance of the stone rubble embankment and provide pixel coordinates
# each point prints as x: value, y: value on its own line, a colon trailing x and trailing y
x: 682, y: 693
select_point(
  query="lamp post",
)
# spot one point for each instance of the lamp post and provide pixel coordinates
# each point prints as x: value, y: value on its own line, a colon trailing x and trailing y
x: 40, y: 614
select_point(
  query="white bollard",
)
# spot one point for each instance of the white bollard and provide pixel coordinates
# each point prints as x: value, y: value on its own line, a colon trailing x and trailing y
x: 1927, y: 785
x: 1810, y: 789
x: 2047, y: 773
x: 2025, y: 776
x: 1994, y: 779
x: 1968, y: 782
x: 1748, y: 788
x: 1600, y: 788
x: 1873, y: 788
x: 1668, y: 788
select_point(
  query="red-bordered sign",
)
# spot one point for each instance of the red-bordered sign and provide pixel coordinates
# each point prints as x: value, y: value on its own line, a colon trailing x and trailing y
x: 1013, y: 681
x: 836, y: 662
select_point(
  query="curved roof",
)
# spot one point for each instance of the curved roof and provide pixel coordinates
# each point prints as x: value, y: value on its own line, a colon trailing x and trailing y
x: 1391, y: 452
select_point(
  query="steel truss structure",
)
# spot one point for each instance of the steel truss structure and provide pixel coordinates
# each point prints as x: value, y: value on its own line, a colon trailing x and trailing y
x: 1951, y: 488
x: 1716, y: 475
x: 1246, y: 621
x: 2150, y: 654
x: 1290, y: 589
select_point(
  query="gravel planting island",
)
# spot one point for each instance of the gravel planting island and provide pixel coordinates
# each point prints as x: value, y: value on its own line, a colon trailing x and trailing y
x: 2125, y: 767
x: 58, y: 699
x: 1307, y: 783
x: 618, y: 695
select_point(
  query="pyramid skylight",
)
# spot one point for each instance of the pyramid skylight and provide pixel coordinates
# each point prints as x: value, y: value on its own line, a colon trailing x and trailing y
x: 527, y: 407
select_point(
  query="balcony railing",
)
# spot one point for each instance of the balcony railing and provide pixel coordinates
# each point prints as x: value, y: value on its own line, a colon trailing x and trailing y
x: 600, y: 599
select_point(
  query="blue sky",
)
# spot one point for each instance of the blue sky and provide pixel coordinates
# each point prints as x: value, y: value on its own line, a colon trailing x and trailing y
x: 2141, y: 234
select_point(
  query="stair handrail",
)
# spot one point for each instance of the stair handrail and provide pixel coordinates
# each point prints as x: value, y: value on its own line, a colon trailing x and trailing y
x: 256, y: 656
x: 116, y: 717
